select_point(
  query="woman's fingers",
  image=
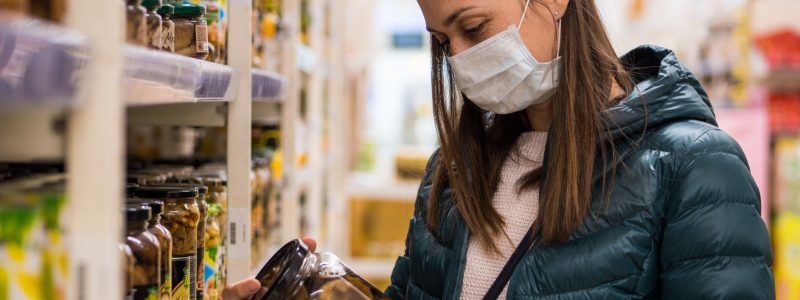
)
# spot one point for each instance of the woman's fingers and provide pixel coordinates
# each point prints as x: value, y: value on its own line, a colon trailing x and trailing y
x: 241, y: 290
x: 310, y: 242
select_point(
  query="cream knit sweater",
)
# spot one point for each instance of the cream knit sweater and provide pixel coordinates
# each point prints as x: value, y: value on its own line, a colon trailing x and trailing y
x: 519, y: 212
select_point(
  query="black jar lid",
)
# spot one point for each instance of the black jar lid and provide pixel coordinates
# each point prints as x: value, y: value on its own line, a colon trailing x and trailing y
x: 166, y: 192
x: 280, y: 273
x: 156, y: 206
x: 166, y: 10
x: 137, y: 212
x: 130, y: 189
x: 201, y: 189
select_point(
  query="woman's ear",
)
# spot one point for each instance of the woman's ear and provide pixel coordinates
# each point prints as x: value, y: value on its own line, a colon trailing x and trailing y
x: 557, y: 7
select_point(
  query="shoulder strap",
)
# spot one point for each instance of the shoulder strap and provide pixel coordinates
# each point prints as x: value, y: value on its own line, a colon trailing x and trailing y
x: 505, y: 275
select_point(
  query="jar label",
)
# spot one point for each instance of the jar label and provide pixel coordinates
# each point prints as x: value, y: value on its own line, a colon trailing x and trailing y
x: 201, y: 37
x: 145, y: 292
x: 168, y: 36
x: 211, y: 272
x: 199, y: 267
x: 183, y: 277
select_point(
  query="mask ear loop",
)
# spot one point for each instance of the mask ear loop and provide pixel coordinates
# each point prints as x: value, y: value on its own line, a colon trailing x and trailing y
x: 558, y: 40
x: 522, y: 18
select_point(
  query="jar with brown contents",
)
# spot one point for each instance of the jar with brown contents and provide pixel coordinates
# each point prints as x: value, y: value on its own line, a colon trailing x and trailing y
x: 136, y: 27
x: 296, y: 273
x: 128, y: 261
x: 191, y: 31
x: 167, y: 28
x: 202, y: 205
x: 181, y: 217
x: 146, y: 250
x: 164, y: 240
x: 154, y: 39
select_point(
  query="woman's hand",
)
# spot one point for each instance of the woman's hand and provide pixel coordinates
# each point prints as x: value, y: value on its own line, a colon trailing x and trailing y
x: 248, y: 288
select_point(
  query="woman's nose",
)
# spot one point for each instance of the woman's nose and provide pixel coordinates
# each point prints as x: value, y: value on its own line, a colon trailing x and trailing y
x: 457, y: 46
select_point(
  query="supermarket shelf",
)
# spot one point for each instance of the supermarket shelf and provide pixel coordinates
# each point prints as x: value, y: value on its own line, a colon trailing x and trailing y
x: 782, y: 80
x: 207, y: 114
x: 267, y: 86
x: 157, y: 77
x: 39, y: 63
x: 266, y: 113
x: 367, y: 186
x: 371, y: 267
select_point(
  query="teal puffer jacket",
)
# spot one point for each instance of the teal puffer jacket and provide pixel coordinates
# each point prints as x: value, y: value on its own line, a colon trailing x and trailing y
x: 683, y: 221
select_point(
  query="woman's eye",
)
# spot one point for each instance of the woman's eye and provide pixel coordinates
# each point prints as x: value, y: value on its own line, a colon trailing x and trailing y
x: 473, y: 31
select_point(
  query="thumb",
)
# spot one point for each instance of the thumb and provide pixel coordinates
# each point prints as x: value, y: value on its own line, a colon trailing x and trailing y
x: 241, y: 290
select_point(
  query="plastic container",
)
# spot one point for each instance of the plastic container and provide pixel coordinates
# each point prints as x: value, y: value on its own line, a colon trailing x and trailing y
x: 154, y: 38
x: 136, y: 23
x: 191, y: 31
x: 167, y: 27
x: 146, y: 250
x: 165, y: 241
x: 295, y: 273
x: 181, y: 216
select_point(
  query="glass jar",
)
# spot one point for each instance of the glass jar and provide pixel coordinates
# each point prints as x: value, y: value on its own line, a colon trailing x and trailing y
x: 143, y: 178
x: 146, y: 250
x: 181, y: 216
x: 167, y: 28
x: 202, y: 206
x: 130, y: 189
x: 136, y: 26
x: 191, y: 31
x: 211, y: 259
x: 295, y: 273
x: 154, y: 39
x: 165, y: 241
x: 215, y: 36
x: 127, y: 264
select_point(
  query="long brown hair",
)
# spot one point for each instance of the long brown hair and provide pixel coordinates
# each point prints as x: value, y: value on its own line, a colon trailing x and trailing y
x: 475, y: 144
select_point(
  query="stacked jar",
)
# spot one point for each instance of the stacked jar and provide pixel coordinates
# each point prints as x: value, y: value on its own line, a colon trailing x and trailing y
x: 211, y: 259
x: 136, y: 26
x: 165, y: 241
x: 181, y: 217
x: 146, y: 250
x: 202, y: 206
x: 154, y: 39
x: 218, y: 199
x: 191, y: 31
x: 167, y: 28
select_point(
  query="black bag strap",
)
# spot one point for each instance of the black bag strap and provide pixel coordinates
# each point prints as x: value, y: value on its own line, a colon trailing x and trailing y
x: 505, y: 275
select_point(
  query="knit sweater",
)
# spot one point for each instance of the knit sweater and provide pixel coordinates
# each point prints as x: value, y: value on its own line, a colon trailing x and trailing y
x: 518, y: 211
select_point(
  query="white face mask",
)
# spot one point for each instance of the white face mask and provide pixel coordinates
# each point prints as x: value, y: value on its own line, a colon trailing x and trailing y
x: 500, y: 74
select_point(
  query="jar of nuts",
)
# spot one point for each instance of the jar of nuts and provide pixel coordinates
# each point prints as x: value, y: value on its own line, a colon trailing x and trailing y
x: 191, y: 30
x: 181, y: 216
x: 202, y: 190
x: 146, y: 250
x: 164, y: 240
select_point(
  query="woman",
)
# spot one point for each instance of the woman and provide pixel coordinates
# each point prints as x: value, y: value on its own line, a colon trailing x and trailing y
x: 609, y: 172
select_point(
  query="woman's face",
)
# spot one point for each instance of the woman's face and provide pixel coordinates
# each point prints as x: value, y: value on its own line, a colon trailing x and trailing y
x: 465, y: 23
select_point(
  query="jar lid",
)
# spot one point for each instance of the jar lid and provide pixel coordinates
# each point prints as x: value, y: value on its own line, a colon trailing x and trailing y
x: 130, y: 189
x: 137, y: 212
x: 212, y: 180
x: 156, y: 206
x: 201, y: 189
x: 166, y: 192
x: 190, y: 9
x: 151, y: 4
x: 280, y: 273
x: 166, y: 9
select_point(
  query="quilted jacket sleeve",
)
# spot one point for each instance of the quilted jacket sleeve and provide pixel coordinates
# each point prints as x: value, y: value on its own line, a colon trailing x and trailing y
x: 400, y: 273
x: 714, y: 244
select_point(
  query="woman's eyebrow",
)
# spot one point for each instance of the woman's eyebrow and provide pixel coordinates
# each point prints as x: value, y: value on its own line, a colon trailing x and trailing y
x: 452, y: 17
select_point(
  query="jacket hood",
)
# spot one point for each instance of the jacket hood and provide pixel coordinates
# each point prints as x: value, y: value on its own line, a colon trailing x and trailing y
x: 665, y: 92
